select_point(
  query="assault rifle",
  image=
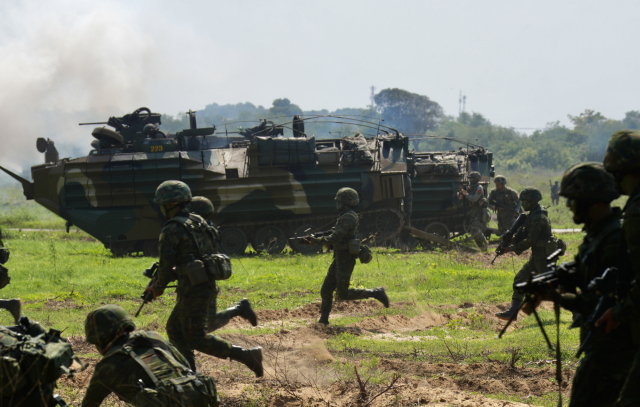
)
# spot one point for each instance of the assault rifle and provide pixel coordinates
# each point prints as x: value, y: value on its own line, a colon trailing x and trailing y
x: 605, y: 285
x: 303, y: 239
x: 562, y: 276
x: 147, y: 296
x: 507, y: 238
x: 503, y: 206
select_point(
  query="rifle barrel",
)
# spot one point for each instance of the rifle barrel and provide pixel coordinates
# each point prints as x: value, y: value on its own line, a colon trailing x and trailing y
x: 87, y: 124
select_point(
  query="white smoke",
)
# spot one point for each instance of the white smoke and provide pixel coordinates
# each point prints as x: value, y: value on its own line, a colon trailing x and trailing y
x: 57, y: 71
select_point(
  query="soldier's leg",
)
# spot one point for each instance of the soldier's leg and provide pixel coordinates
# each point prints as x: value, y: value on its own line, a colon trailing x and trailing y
x: 328, y: 287
x: 505, y: 221
x: 217, y: 320
x: 175, y: 332
x: 345, y: 262
x: 477, y: 229
x: 599, y: 378
x: 522, y: 276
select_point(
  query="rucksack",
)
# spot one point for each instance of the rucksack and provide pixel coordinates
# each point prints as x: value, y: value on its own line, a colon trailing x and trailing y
x: 190, y: 390
x: 28, y: 360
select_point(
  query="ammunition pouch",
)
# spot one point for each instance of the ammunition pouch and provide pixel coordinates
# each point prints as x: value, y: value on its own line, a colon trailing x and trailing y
x: 354, y: 246
x: 196, y: 271
x: 218, y: 266
x: 365, y: 254
x: 4, y: 255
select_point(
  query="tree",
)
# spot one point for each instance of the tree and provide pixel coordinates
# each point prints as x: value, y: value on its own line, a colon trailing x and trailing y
x: 587, y: 118
x: 284, y: 107
x: 631, y: 120
x: 408, y: 112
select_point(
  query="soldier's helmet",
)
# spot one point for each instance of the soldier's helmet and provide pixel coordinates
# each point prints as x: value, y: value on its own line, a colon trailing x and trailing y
x: 475, y: 176
x: 201, y: 206
x: 588, y: 182
x: 149, y: 129
x: 530, y: 194
x: 348, y: 197
x: 623, y: 152
x: 104, y: 323
x: 556, y: 182
x: 172, y: 192
x: 501, y: 179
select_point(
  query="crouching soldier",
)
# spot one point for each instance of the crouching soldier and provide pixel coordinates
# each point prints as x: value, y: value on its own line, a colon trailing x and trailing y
x: 141, y: 368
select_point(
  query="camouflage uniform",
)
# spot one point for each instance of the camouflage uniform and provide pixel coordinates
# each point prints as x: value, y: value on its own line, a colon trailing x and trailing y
x: 4, y: 257
x: 119, y: 372
x: 187, y: 324
x: 623, y: 157
x: 554, y: 189
x: 608, y: 357
x: 534, y: 234
x: 477, y: 216
x: 339, y: 275
x: 508, y: 197
x: 36, y: 393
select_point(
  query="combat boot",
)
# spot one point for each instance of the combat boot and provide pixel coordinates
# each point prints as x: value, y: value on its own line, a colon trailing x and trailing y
x: 250, y: 357
x: 380, y: 295
x: 13, y: 306
x: 324, y: 318
x: 513, y: 309
x: 243, y: 309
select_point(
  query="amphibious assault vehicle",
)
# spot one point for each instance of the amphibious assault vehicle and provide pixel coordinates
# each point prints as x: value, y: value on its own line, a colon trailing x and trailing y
x: 265, y: 188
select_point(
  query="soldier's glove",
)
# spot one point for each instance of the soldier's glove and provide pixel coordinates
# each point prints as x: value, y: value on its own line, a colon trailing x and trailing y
x: 156, y: 291
x: 607, y: 319
x: 507, y: 249
x: 315, y: 240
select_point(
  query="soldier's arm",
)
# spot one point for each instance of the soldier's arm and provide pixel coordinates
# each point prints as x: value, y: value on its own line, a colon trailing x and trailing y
x: 517, y: 201
x: 492, y: 198
x: 629, y: 308
x: 534, y: 229
x: 474, y: 196
x: 169, y: 240
x: 344, y: 226
x: 99, y: 386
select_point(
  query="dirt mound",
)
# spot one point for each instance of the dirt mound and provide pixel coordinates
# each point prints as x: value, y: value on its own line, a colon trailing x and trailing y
x: 312, y: 311
x: 401, y: 323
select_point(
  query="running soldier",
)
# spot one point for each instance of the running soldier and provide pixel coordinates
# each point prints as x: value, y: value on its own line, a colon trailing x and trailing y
x: 505, y: 201
x: 203, y: 207
x: 534, y: 235
x: 184, y: 241
x: 478, y: 216
x: 141, y: 368
x: 622, y: 160
x: 339, y: 275
x: 554, y: 189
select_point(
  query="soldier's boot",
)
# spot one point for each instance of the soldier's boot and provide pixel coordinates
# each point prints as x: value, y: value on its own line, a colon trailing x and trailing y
x: 250, y: 357
x: 13, y: 306
x: 513, y: 309
x: 243, y: 309
x: 380, y: 295
x: 324, y: 318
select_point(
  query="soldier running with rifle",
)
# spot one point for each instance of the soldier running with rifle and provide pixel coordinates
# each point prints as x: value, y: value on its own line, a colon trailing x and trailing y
x: 346, y: 249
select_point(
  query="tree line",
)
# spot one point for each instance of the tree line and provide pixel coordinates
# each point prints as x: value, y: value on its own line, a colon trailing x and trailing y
x: 554, y: 148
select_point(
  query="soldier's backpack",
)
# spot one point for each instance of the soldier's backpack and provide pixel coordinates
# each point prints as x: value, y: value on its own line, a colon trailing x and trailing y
x: 28, y: 361
x: 190, y: 390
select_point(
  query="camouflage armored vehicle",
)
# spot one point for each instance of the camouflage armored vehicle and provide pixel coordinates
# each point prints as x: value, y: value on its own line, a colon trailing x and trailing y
x: 265, y: 188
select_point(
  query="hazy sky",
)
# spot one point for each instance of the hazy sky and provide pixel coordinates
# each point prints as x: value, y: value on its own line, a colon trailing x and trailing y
x: 520, y: 63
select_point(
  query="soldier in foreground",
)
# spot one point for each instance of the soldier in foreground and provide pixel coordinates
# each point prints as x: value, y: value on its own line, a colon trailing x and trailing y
x: 505, y: 201
x: 554, y: 189
x: 622, y: 160
x: 141, y: 368
x: 477, y: 205
x: 203, y: 207
x: 343, y: 235
x: 29, y: 378
x: 534, y: 235
x: 13, y: 305
x: 589, y: 189
x: 185, y: 240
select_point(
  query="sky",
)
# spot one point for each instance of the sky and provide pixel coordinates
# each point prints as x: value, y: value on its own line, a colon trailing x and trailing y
x: 521, y: 64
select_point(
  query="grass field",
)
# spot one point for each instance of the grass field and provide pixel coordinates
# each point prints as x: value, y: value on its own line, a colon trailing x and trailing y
x: 439, y: 333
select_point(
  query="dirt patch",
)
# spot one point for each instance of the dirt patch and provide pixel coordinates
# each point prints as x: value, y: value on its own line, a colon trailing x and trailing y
x: 312, y: 311
x: 401, y: 323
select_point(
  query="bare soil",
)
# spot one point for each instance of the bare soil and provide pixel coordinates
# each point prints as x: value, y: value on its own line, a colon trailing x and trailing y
x: 299, y: 369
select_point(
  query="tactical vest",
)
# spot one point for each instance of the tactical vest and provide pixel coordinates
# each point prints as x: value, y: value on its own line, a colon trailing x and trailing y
x: 168, y: 383
x: 204, y: 265
x: 344, y: 243
x: 32, y: 361
x: 539, y: 247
